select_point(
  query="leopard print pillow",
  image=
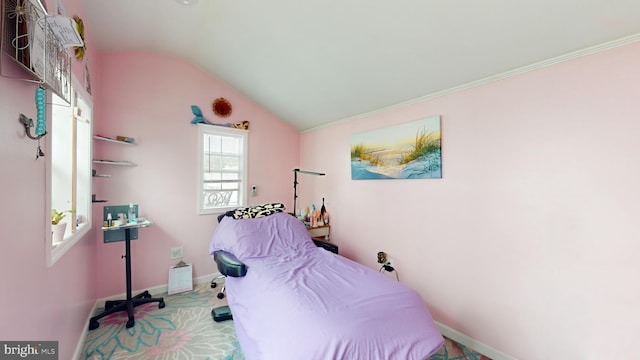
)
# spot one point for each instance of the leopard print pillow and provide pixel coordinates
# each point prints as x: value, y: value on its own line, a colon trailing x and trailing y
x: 255, y: 211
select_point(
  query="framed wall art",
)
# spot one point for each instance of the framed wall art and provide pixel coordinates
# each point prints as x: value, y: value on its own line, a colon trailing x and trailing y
x: 406, y: 151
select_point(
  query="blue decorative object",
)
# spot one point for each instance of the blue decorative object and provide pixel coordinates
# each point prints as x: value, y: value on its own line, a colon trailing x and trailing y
x: 41, y: 126
x: 199, y: 119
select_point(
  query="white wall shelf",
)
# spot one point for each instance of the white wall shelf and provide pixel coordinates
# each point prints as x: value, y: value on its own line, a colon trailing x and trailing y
x: 109, y: 162
x: 108, y: 139
x: 113, y: 162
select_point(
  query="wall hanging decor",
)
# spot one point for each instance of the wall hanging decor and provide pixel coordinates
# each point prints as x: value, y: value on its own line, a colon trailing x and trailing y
x: 240, y: 125
x: 199, y: 118
x: 87, y: 78
x: 407, y: 151
x: 38, y: 43
x: 222, y: 107
x: 79, y: 50
x: 41, y: 127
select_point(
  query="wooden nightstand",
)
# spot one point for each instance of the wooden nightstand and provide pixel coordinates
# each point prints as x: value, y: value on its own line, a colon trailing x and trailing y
x: 320, y: 232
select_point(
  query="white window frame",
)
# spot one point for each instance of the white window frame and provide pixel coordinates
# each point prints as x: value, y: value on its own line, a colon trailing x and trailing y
x: 215, y: 130
x: 77, y: 191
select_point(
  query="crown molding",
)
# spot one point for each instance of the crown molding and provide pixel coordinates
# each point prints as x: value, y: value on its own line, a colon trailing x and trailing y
x: 490, y: 79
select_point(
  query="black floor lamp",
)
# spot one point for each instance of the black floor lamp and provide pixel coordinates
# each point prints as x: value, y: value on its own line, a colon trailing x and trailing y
x: 295, y: 184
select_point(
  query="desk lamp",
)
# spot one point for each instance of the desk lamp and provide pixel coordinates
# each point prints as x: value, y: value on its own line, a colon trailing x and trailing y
x: 295, y: 183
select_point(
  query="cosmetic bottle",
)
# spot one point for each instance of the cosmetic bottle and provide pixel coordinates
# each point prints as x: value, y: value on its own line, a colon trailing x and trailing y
x: 132, y: 214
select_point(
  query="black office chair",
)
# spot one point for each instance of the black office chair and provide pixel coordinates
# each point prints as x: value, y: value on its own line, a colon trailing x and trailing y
x: 214, y: 285
x: 228, y: 265
x: 213, y: 282
x: 226, y: 262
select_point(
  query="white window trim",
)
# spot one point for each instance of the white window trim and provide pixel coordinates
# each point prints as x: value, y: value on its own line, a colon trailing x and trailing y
x: 55, y: 252
x: 222, y: 130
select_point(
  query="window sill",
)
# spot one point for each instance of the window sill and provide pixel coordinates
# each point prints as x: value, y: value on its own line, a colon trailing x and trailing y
x: 55, y: 251
x: 220, y: 210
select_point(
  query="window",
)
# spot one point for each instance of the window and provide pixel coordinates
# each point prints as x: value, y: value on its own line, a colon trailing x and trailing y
x: 222, y: 173
x: 69, y: 168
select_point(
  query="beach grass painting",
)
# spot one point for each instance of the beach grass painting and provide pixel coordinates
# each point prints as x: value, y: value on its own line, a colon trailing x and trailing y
x: 407, y: 151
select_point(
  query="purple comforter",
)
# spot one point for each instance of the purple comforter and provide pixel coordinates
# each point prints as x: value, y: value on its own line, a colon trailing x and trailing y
x: 302, y: 302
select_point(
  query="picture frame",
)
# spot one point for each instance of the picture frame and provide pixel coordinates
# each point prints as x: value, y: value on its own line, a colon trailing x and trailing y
x: 412, y: 150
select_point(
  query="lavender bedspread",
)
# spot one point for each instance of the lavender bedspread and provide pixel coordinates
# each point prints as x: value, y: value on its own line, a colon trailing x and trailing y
x: 299, y: 301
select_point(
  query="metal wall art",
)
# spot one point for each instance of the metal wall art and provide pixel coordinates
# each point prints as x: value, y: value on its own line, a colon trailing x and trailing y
x: 222, y: 107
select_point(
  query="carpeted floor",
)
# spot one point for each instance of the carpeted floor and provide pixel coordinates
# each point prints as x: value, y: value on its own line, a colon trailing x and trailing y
x: 184, y: 329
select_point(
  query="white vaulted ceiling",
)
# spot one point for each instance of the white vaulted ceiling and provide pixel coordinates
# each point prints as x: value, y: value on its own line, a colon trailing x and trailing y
x: 316, y: 62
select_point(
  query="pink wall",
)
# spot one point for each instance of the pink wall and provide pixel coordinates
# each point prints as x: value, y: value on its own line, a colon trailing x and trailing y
x: 529, y: 243
x: 148, y: 96
x: 37, y: 302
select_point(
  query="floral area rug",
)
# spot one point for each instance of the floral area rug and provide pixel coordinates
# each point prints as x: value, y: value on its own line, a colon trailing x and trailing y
x: 455, y: 351
x: 184, y: 329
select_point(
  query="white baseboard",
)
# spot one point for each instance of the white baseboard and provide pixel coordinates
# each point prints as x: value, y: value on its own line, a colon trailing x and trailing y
x: 163, y: 289
x: 156, y: 290
x: 472, y: 343
x: 77, y: 354
x: 160, y: 289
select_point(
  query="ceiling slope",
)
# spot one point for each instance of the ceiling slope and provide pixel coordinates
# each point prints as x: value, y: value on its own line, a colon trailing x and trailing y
x: 317, y: 62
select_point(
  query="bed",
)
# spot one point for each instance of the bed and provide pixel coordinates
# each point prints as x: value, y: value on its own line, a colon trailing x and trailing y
x: 299, y: 301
